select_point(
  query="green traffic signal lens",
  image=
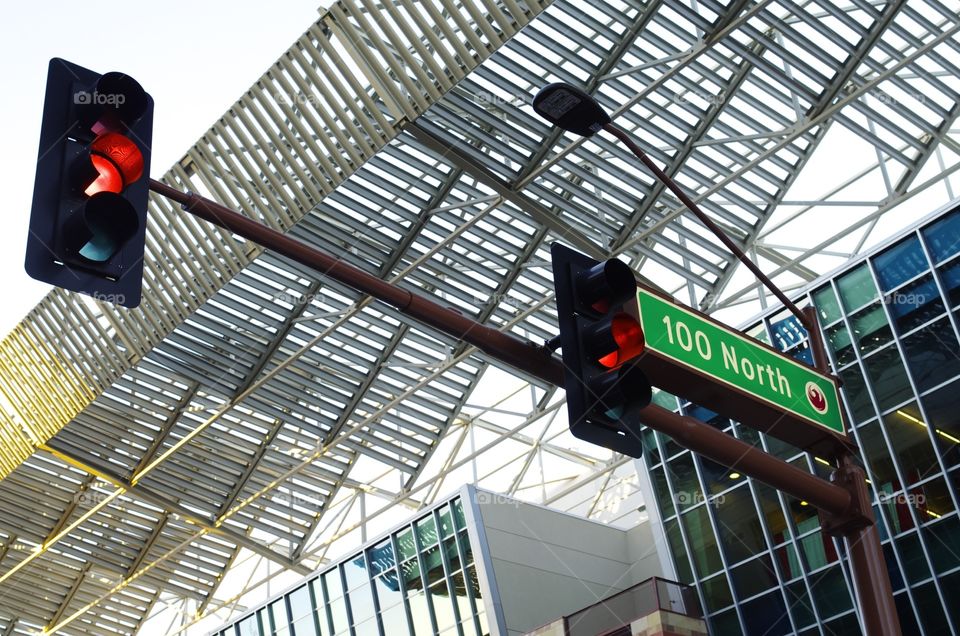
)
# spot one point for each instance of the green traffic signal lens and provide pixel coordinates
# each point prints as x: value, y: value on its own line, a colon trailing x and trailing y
x: 106, y: 222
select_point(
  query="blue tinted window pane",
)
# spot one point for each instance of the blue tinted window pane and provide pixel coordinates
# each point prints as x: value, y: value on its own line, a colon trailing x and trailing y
x: 915, y: 304
x: 381, y: 557
x: 943, y: 237
x: 900, y: 263
x: 787, y: 333
x: 932, y: 354
x: 950, y: 277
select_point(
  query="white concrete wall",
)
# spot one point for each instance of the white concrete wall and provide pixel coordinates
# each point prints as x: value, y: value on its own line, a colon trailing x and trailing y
x: 548, y: 564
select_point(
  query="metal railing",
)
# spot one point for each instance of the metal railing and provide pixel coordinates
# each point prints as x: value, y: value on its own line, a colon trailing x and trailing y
x: 613, y: 613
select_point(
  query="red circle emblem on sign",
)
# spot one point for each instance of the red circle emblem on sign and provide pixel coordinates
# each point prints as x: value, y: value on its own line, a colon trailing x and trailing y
x: 816, y: 398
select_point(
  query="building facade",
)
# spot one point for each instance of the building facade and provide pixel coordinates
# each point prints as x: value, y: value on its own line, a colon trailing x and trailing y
x: 758, y: 557
x: 476, y: 564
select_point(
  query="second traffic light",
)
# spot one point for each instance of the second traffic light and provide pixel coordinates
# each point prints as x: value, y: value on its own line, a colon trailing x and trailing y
x: 88, y: 220
x: 599, y: 340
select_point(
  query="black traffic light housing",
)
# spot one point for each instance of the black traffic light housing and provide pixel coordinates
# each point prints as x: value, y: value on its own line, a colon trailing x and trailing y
x: 89, y: 214
x: 598, y: 340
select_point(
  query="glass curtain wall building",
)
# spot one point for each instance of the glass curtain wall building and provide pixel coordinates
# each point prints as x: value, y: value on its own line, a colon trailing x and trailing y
x: 758, y: 557
x: 421, y: 580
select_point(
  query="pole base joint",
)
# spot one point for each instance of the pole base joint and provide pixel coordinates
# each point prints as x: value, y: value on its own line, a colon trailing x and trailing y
x: 859, y: 514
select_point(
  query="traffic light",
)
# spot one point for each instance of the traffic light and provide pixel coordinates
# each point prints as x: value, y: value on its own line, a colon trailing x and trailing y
x: 599, y: 341
x: 89, y: 213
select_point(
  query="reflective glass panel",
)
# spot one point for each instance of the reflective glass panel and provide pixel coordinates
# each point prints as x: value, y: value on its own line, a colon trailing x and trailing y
x: 395, y: 620
x: 767, y: 615
x: 871, y: 329
x: 932, y: 613
x: 678, y: 551
x: 798, y: 599
x: 703, y: 544
x: 933, y: 354
x: 442, y: 605
x: 458, y: 515
x: 461, y: 596
x: 855, y: 395
x: 737, y: 524
x: 300, y: 604
x: 446, y: 521
x: 888, y: 377
x: 943, y: 237
x: 686, y: 486
x: 856, y: 288
x: 753, y: 577
x: 915, y: 304
x: 716, y: 592
x: 826, y: 303
x: 816, y: 550
x: 950, y: 279
x: 405, y: 544
x: 426, y: 531
x: 381, y: 557
x: 900, y: 263
x: 911, y: 555
x: 249, y: 626
x: 910, y: 441
x: 361, y: 603
x: 942, y: 408
x: 830, y: 593
x: 388, y: 589
x: 838, y: 338
x: 355, y: 572
x: 420, y: 614
x: 943, y: 542
x: 772, y: 512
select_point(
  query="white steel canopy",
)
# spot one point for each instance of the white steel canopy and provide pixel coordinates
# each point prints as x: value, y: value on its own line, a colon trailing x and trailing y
x: 238, y: 415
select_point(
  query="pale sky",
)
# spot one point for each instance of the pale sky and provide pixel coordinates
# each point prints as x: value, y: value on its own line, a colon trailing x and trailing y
x: 194, y: 58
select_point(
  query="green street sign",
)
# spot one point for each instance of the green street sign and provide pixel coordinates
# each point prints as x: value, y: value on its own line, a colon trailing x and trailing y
x: 698, y: 358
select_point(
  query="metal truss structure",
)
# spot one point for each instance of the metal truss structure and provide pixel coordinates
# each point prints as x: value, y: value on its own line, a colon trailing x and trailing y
x: 169, y: 465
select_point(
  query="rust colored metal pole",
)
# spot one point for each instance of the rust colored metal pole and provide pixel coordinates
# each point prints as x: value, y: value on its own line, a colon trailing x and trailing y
x: 665, y: 179
x: 521, y: 354
x: 751, y: 461
x: 870, y: 577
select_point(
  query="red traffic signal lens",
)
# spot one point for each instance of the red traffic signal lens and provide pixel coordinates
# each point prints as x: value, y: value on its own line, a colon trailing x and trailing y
x: 628, y: 336
x: 108, y: 178
x: 118, y: 162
